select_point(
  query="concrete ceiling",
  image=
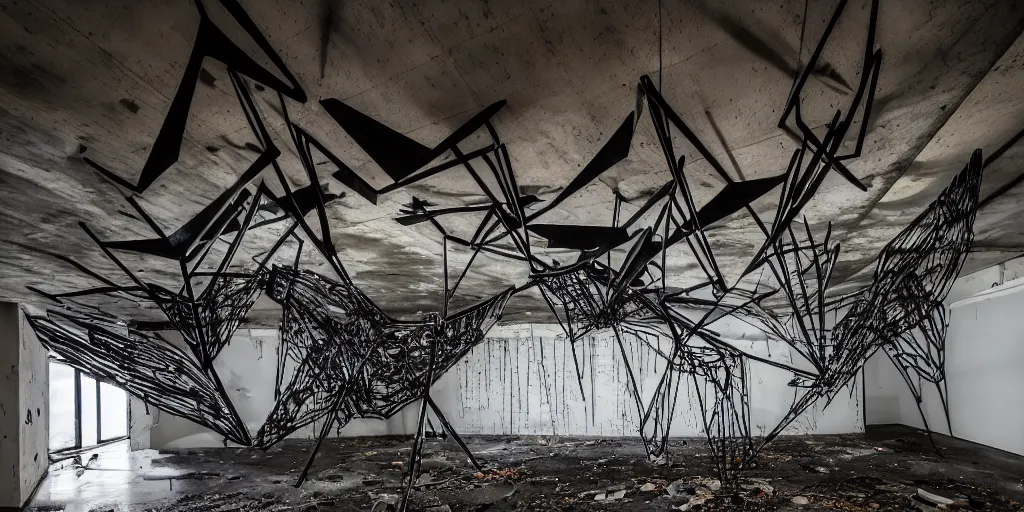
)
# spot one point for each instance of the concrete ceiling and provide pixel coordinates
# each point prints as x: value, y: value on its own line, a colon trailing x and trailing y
x: 101, y: 74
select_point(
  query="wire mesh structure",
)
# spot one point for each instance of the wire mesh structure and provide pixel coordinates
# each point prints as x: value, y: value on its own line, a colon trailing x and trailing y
x: 146, y: 366
x: 342, y: 357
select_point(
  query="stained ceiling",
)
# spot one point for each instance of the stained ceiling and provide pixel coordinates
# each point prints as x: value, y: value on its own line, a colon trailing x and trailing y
x: 100, y: 77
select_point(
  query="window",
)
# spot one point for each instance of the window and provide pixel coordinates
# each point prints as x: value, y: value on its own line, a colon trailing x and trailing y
x: 84, y: 412
x: 113, y: 408
x: 63, y: 397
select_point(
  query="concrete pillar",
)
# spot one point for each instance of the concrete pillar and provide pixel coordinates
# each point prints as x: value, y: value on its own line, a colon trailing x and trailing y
x: 140, y: 422
x: 24, y: 413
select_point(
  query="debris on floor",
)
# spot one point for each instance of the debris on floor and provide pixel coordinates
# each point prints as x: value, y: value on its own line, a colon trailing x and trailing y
x: 934, y: 499
x: 583, y: 475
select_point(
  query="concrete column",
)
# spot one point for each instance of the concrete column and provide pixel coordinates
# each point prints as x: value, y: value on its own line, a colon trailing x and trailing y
x: 24, y: 413
x: 140, y: 422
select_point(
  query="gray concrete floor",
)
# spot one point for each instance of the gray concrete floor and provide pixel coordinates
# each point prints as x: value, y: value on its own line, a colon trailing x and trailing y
x: 881, y: 470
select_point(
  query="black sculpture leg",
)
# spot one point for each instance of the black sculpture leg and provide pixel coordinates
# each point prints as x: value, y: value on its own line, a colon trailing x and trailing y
x: 656, y: 422
x: 725, y: 412
x: 455, y: 435
x: 918, y: 398
x: 417, y: 445
x: 632, y: 381
x: 332, y: 415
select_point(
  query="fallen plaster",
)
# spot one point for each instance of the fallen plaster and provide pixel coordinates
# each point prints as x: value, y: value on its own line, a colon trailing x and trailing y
x: 891, y: 468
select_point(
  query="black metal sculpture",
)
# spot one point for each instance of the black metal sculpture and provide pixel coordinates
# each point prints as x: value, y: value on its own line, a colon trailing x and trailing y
x: 145, y: 365
x: 210, y: 42
x: 342, y: 357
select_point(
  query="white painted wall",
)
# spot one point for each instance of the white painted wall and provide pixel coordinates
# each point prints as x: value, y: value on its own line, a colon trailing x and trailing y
x: 522, y: 381
x: 24, y: 399
x: 885, y: 395
x: 985, y: 358
x: 984, y: 362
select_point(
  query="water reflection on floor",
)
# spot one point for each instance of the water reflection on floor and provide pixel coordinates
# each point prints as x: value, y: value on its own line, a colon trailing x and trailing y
x: 116, y: 479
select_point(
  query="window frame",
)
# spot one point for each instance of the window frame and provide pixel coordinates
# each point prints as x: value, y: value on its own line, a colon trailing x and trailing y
x: 100, y: 441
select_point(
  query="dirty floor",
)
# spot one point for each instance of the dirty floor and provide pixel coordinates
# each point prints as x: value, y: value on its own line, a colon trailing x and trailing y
x: 882, y: 470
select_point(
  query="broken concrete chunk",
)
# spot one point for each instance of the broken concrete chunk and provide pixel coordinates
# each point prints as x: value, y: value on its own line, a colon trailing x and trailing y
x: 676, y: 488
x: 934, y: 499
x: 757, y: 487
x: 712, y: 483
x: 609, y: 496
x: 800, y: 500
x: 695, y: 502
x: 648, y: 487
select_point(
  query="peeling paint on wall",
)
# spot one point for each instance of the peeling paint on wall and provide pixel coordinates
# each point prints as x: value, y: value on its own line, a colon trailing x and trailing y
x: 524, y: 382
x: 520, y: 381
